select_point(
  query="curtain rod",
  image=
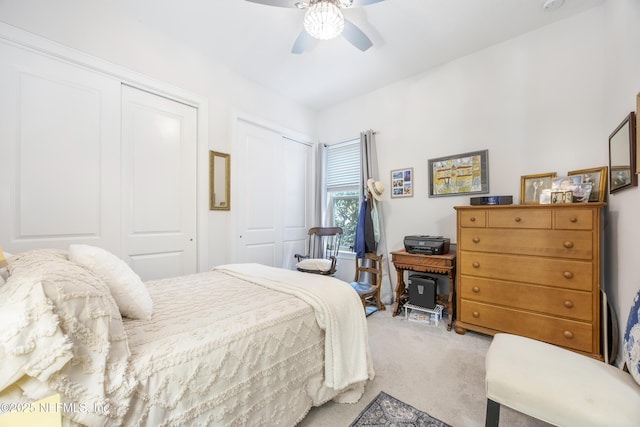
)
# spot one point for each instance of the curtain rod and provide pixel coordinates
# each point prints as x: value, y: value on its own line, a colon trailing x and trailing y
x: 345, y: 141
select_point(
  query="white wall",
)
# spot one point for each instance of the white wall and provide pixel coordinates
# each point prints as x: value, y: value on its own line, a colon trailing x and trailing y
x: 542, y: 102
x: 532, y: 106
x: 93, y: 29
x: 622, y: 83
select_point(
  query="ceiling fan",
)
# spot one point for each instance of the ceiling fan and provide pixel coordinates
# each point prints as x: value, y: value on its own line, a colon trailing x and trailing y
x: 324, y: 20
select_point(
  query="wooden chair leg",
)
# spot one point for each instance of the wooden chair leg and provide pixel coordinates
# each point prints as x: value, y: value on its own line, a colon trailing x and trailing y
x: 379, y: 303
x: 493, y: 414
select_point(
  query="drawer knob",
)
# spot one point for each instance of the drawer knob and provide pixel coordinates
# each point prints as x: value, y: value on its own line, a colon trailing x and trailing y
x: 518, y: 219
x: 476, y: 240
x: 568, y: 244
x: 476, y: 264
x: 573, y: 219
x: 568, y: 275
x: 475, y: 314
x: 475, y: 289
x: 568, y: 304
x: 472, y: 219
x: 568, y: 334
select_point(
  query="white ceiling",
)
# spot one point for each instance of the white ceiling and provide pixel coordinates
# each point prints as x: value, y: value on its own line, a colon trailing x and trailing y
x: 409, y: 37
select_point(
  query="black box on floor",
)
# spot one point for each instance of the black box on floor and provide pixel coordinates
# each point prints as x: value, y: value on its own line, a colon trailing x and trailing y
x: 422, y: 290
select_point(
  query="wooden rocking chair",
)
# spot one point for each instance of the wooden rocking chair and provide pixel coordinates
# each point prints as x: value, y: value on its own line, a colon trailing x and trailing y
x: 322, y: 251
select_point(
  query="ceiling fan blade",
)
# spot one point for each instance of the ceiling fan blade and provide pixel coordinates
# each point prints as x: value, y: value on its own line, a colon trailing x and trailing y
x: 279, y: 3
x: 355, y: 36
x: 357, y: 3
x: 301, y: 44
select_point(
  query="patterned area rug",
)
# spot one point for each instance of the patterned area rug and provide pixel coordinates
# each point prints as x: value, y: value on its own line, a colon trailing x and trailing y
x: 386, y: 410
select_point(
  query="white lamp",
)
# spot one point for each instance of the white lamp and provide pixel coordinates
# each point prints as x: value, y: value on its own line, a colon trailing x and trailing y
x: 324, y: 20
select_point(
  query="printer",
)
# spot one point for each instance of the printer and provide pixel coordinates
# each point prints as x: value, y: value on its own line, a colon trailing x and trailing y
x: 427, y: 245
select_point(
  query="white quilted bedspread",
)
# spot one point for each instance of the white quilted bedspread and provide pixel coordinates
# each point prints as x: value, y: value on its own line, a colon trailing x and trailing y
x: 227, y: 351
x: 243, y: 345
x: 338, y: 312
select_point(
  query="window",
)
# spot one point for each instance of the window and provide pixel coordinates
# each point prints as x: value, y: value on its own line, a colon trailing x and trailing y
x: 343, y: 189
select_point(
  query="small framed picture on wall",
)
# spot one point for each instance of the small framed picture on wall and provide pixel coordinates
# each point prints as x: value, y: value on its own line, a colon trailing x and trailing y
x: 402, y: 183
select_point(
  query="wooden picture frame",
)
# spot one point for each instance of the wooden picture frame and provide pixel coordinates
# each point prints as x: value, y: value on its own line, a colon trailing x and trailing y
x: 466, y: 173
x: 219, y: 181
x: 560, y: 197
x: 622, y: 155
x: 531, y: 187
x: 402, y: 183
x: 598, y: 179
x: 637, y: 132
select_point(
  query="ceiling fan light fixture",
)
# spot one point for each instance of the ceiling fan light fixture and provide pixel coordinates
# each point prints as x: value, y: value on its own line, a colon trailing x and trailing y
x: 324, y: 20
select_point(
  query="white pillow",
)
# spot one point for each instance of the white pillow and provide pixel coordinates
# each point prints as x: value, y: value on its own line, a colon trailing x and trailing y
x: 315, y: 264
x: 127, y: 289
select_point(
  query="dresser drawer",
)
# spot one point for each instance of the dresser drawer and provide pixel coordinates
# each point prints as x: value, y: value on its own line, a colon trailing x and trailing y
x: 566, y: 333
x: 550, y: 243
x: 558, y: 273
x: 554, y: 301
x: 475, y: 218
x: 574, y: 219
x: 518, y: 218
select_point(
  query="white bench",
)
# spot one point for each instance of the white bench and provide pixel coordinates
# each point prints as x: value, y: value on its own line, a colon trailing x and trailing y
x: 557, y: 386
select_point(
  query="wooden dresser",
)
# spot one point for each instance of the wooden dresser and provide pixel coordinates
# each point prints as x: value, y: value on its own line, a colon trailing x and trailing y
x: 531, y: 270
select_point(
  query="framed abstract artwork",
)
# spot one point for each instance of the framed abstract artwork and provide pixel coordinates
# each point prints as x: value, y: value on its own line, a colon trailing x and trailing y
x: 460, y: 174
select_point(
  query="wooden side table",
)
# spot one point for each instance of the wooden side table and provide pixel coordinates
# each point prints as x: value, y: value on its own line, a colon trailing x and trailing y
x: 436, y: 264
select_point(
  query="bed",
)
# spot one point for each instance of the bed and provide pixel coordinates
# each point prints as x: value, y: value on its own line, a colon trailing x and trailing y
x: 243, y: 344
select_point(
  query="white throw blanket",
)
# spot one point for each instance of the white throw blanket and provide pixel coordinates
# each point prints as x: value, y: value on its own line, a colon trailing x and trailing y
x: 338, y: 311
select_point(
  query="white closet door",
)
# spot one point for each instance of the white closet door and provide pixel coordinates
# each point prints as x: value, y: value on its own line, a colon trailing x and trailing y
x: 297, y: 191
x: 60, y: 151
x: 274, y: 203
x: 159, y: 142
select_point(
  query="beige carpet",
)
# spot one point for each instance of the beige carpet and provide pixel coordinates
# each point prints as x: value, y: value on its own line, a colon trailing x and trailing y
x: 436, y: 371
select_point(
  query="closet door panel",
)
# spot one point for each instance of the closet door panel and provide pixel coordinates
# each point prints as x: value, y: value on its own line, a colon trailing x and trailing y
x: 297, y: 188
x: 258, y: 209
x: 274, y: 195
x: 159, y: 141
x: 59, y: 134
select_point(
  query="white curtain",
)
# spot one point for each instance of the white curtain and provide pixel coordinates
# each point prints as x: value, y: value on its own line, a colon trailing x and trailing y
x: 369, y: 169
x: 320, y: 211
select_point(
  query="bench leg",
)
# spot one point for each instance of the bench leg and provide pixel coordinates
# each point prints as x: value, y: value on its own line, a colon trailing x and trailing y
x: 493, y: 414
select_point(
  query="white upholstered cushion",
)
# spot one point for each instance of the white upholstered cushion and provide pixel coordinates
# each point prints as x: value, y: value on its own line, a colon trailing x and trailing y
x: 315, y: 264
x: 127, y: 289
x: 559, y: 386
